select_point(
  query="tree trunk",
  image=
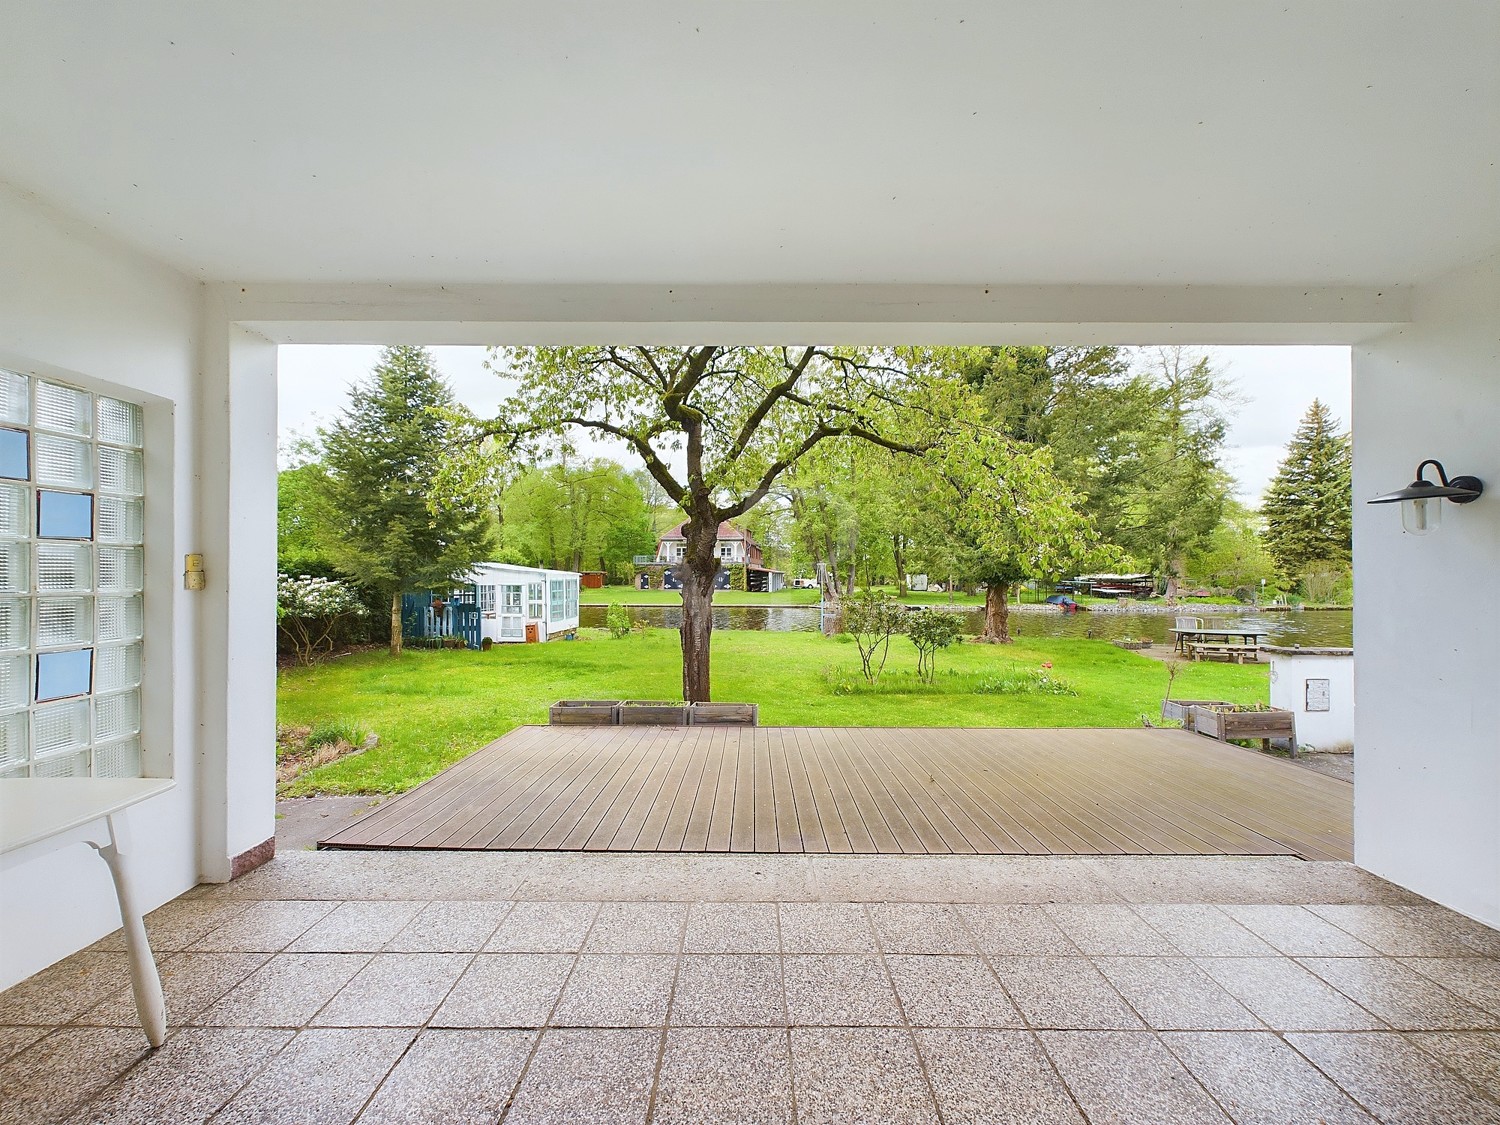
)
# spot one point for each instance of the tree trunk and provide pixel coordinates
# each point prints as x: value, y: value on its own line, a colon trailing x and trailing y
x: 700, y: 564
x: 898, y: 555
x: 1174, y: 568
x: 396, y: 623
x: 996, y: 614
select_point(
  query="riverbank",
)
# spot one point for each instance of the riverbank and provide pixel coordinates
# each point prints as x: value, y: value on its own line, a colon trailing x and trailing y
x: 1310, y: 629
x: 795, y: 599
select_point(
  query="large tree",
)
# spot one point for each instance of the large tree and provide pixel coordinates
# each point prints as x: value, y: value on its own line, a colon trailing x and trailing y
x: 1308, y: 507
x: 717, y: 427
x: 376, y: 517
x: 1178, y: 494
x: 996, y: 529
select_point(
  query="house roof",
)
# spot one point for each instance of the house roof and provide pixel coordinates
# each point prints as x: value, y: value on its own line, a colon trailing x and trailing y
x: 727, y: 530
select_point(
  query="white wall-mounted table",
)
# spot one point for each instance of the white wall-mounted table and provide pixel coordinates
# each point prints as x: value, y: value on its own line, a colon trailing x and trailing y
x: 36, y: 810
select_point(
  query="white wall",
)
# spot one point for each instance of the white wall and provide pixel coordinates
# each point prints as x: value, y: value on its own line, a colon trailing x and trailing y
x: 1427, y: 609
x: 1331, y: 729
x: 86, y: 311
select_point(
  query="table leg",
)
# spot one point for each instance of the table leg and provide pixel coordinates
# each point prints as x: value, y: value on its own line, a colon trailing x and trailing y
x: 145, y: 982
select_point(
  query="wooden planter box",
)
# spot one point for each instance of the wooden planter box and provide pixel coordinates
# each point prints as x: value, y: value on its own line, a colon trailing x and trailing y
x: 652, y: 713
x: 1182, y: 709
x: 724, y: 714
x: 584, y: 712
x: 1227, y: 725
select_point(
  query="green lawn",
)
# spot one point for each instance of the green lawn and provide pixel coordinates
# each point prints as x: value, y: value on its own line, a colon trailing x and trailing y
x: 431, y: 708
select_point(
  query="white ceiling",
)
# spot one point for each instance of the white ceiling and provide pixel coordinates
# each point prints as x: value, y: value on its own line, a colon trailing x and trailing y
x: 1236, y: 142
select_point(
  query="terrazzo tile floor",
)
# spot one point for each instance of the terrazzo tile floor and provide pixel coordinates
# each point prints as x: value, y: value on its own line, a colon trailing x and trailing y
x: 335, y: 987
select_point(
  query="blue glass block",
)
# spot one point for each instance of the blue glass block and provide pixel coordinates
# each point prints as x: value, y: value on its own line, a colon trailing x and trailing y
x: 15, y: 454
x: 64, y: 515
x: 63, y: 674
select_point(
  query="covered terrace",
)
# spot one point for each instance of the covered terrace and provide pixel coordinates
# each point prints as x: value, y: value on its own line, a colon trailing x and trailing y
x: 188, y: 186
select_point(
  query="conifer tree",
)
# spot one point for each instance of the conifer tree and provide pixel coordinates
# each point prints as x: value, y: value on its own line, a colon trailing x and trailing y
x: 1308, y: 508
x: 371, y: 508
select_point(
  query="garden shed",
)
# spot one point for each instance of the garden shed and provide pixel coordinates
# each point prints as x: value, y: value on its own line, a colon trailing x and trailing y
x: 514, y: 604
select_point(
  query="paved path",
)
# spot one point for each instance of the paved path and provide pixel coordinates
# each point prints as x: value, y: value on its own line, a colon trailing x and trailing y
x: 526, y: 987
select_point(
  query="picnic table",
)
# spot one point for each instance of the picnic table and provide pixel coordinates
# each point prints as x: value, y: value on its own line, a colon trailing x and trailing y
x: 1228, y: 641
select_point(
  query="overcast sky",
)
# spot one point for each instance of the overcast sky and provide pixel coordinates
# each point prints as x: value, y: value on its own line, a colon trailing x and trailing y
x: 1276, y: 383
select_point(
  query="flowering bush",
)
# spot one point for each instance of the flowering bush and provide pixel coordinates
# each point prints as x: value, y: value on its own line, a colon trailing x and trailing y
x: 309, y: 610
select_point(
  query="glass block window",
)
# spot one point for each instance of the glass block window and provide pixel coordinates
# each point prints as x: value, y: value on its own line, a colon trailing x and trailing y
x: 72, y: 521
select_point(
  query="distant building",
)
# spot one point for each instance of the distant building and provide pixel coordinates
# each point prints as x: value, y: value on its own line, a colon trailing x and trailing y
x: 740, y: 563
x: 1110, y: 585
x: 496, y: 602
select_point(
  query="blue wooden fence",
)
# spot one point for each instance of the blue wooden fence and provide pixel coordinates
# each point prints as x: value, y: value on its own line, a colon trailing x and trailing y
x: 421, y: 624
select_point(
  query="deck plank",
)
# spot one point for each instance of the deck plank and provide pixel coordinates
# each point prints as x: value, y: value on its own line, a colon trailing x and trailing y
x: 867, y: 790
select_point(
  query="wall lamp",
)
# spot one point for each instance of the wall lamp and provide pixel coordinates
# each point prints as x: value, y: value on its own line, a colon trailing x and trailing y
x: 1421, y: 500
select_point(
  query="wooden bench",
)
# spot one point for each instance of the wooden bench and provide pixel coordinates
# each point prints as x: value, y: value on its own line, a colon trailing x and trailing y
x: 1200, y: 650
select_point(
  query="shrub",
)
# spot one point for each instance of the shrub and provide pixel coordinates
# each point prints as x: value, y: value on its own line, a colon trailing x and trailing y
x: 309, y: 611
x: 872, y: 619
x: 618, y: 620
x: 930, y: 630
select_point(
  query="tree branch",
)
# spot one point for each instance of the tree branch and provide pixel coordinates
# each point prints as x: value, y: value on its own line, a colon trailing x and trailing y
x: 775, y: 395
x: 821, y: 434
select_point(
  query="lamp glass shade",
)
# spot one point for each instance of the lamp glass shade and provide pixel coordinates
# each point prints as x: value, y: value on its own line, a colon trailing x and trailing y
x: 1421, y: 515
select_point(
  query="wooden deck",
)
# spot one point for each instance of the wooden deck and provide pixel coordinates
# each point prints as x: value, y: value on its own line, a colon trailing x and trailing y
x: 867, y: 789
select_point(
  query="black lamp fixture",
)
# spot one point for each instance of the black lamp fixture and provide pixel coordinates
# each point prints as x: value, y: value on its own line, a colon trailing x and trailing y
x: 1421, y: 500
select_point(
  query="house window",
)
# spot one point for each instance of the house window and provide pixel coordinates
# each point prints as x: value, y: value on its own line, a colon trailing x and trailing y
x: 513, y: 600
x: 534, y: 601
x: 487, y: 599
x: 72, y: 525
x: 571, y: 585
x: 726, y: 550
x: 559, y: 600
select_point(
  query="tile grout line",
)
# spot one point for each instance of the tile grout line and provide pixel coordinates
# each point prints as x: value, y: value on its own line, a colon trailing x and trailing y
x: 666, y: 1016
x: 536, y: 1044
x: 174, y: 1035
x: 911, y: 1034
x: 1299, y: 961
x: 1145, y: 1023
x: 426, y: 1024
x: 1031, y: 1032
x: 786, y: 1012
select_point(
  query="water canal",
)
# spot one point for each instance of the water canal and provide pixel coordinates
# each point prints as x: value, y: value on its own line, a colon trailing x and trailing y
x: 1305, y: 627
